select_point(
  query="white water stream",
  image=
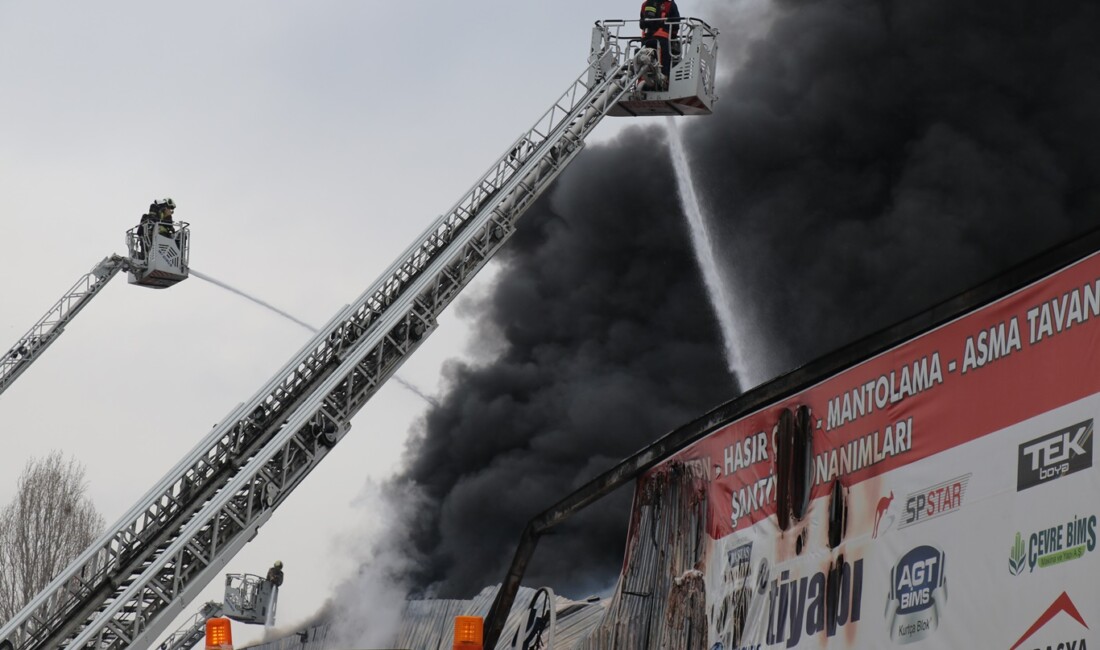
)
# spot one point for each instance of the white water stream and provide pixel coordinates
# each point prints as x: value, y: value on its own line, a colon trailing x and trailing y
x: 719, y: 291
x: 254, y: 299
x: 424, y: 396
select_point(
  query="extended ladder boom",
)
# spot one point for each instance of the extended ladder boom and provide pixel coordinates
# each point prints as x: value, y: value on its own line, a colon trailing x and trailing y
x: 31, y: 345
x: 127, y: 587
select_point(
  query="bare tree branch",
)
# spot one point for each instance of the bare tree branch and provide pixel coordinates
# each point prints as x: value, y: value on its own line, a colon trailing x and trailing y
x: 48, y: 523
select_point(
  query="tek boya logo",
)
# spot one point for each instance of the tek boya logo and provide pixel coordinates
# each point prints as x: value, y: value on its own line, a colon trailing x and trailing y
x: 1054, y: 455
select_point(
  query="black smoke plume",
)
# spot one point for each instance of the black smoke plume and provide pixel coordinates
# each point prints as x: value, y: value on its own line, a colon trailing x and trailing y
x: 868, y: 158
x: 597, y: 316
x: 875, y: 157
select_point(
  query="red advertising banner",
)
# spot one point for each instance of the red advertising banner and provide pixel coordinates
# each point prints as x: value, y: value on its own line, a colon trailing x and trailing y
x: 1020, y: 356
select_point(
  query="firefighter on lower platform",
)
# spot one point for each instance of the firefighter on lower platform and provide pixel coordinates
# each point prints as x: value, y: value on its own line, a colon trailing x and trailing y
x: 660, y: 24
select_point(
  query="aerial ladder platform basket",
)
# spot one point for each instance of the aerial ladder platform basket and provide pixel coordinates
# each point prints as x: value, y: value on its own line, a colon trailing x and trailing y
x: 689, y: 89
x: 159, y: 255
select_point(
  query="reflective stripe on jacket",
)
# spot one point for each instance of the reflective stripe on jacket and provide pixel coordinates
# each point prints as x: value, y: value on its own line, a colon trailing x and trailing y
x: 667, y: 10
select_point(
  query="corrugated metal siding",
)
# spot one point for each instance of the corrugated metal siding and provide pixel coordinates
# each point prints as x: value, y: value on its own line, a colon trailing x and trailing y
x: 571, y: 630
x: 429, y: 624
x: 660, y: 601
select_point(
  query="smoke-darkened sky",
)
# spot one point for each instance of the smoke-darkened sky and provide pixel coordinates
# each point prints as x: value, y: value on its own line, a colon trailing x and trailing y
x: 867, y: 160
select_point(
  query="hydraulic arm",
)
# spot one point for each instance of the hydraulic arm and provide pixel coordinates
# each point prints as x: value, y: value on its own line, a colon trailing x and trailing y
x: 32, y: 344
x: 156, y: 260
x: 133, y: 581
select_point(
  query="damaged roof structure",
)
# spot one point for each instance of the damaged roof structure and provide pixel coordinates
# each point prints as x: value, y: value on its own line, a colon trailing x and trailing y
x: 430, y: 623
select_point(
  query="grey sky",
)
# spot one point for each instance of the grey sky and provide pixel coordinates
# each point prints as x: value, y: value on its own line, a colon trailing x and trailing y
x: 307, y: 143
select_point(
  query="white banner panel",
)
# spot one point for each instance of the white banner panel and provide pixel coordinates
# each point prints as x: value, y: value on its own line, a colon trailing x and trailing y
x: 966, y: 460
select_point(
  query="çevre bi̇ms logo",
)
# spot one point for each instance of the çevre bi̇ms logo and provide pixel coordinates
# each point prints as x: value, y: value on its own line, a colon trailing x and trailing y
x: 918, y: 591
x: 1054, y: 455
x: 1054, y: 545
